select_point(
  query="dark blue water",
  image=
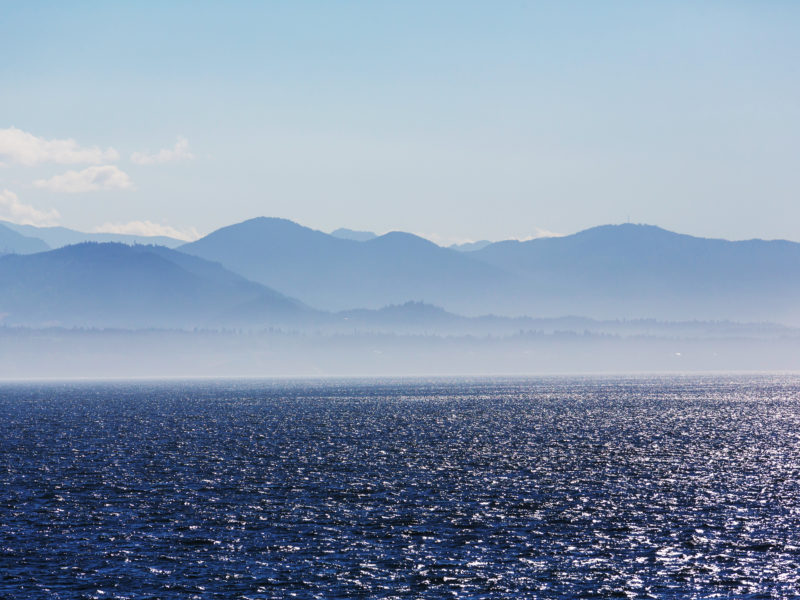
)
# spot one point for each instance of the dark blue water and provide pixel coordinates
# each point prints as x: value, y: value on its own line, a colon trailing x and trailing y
x: 649, y: 488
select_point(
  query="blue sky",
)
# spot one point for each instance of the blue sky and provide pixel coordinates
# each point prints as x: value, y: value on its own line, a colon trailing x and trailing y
x: 455, y: 120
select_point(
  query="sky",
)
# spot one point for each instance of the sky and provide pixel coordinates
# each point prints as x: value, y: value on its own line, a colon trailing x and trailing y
x: 458, y: 121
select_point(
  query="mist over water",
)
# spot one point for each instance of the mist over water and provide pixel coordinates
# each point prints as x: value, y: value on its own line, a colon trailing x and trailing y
x: 650, y: 487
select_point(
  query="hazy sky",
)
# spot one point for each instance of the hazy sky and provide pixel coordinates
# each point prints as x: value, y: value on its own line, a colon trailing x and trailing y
x: 455, y: 120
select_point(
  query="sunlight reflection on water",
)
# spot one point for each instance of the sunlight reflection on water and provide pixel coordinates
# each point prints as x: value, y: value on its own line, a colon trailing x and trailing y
x: 667, y: 487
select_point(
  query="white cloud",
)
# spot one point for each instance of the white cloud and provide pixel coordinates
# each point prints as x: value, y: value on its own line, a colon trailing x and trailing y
x: 148, y: 228
x: 448, y: 240
x: 180, y: 151
x: 11, y: 209
x: 541, y: 233
x: 91, y: 179
x: 27, y: 149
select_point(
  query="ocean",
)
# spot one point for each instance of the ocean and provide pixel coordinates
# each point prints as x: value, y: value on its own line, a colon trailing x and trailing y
x: 662, y: 487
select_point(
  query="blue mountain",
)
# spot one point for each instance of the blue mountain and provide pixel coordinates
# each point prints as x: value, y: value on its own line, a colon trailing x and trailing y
x: 115, y: 285
x: 470, y: 246
x: 13, y: 242
x: 337, y: 274
x: 633, y: 271
x: 56, y: 237
x: 352, y: 234
x: 230, y: 278
x: 607, y: 272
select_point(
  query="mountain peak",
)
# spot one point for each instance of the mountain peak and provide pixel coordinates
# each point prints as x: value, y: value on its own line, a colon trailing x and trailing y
x: 272, y: 222
x: 401, y: 238
x: 352, y: 234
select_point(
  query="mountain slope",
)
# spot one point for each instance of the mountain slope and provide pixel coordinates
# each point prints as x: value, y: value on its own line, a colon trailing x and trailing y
x: 114, y: 285
x: 13, y: 242
x: 337, y: 274
x: 629, y: 271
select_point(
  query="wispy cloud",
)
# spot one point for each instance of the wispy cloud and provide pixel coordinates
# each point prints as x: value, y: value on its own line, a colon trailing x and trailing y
x: 148, y: 228
x: 27, y: 149
x: 448, y: 240
x: 11, y: 209
x: 180, y: 151
x: 541, y: 233
x: 91, y: 179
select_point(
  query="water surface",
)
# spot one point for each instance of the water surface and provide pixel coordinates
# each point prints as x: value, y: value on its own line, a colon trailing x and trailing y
x: 550, y: 488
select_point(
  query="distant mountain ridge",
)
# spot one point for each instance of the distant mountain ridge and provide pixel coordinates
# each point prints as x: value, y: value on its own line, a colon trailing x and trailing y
x: 13, y: 242
x: 638, y: 271
x: 265, y: 272
x: 57, y: 237
x: 351, y: 234
x: 470, y: 246
x: 417, y: 318
x: 116, y: 285
x: 331, y: 273
x: 607, y: 272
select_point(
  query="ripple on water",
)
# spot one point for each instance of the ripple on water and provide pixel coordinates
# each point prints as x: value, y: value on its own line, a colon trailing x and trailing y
x: 668, y: 487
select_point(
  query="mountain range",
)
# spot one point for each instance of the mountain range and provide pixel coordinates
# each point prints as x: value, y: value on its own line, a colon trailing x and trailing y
x: 332, y: 273
x: 273, y: 272
x: 607, y: 272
